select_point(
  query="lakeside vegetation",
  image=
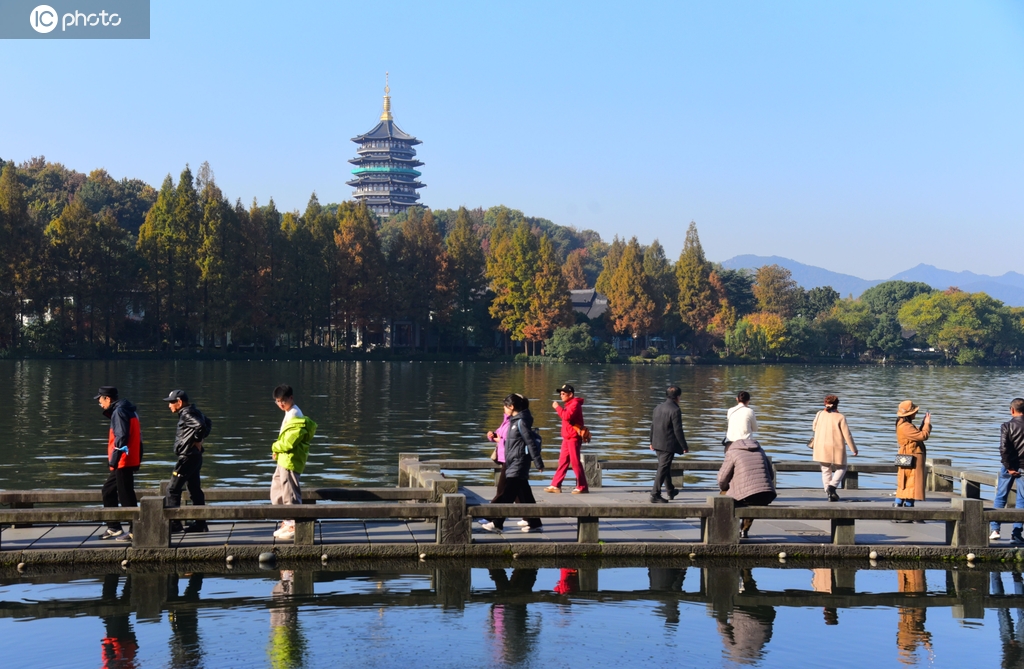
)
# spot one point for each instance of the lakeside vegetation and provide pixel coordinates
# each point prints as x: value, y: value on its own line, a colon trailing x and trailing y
x: 90, y: 265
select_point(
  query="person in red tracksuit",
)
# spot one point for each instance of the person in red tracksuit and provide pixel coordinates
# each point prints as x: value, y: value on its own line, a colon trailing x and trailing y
x: 124, y: 455
x: 572, y: 417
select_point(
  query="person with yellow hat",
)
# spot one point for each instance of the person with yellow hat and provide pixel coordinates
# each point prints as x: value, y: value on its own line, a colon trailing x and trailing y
x: 910, y: 480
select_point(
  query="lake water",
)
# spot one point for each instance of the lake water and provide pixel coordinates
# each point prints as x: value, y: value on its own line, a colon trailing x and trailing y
x: 534, y: 615
x: 368, y: 412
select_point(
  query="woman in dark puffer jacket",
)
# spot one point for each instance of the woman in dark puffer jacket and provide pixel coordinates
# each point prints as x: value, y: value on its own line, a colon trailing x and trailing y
x: 520, y: 449
x: 746, y: 476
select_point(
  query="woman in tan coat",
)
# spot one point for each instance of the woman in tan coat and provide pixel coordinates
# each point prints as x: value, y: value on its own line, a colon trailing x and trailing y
x: 910, y: 480
x: 831, y: 437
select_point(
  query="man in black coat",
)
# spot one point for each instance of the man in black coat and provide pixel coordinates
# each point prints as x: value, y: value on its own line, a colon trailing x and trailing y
x: 667, y: 440
x: 193, y: 427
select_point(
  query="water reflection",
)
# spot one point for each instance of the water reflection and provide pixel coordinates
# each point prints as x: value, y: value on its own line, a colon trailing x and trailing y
x: 516, y: 613
x: 119, y: 644
x: 510, y: 622
x: 287, y: 646
x: 371, y: 411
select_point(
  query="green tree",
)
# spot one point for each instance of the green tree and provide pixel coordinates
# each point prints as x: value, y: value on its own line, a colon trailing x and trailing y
x: 698, y: 303
x: 967, y: 327
x: 887, y: 335
x: 664, y: 287
x: 467, y: 267
x: 20, y: 245
x: 512, y: 267
x: 609, y: 265
x: 888, y: 297
x: 819, y: 300
x: 738, y: 287
x: 157, y: 250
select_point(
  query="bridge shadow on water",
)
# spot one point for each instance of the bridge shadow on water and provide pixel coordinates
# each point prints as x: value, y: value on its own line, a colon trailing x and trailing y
x: 505, y: 612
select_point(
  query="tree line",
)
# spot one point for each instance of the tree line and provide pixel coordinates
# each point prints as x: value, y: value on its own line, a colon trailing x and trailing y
x: 88, y: 263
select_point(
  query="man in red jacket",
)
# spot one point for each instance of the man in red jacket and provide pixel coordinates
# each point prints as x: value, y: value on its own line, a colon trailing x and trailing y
x: 124, y: 455
x: 572, y: 418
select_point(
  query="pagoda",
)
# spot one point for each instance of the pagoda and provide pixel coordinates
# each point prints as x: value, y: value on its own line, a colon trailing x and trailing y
x: 385, y: 174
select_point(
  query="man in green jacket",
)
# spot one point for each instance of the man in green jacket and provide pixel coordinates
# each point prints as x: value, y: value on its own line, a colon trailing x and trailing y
x: 290, y: 451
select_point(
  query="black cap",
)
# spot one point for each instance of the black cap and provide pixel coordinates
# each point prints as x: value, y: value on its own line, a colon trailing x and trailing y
x: 566, y: 388
x: 106, y: 391
x: 176, y: 395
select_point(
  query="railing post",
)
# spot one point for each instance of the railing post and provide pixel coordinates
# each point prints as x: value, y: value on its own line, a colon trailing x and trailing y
x: 453, y: 525
x: 587, y: 530
x: 851, y: 481
x: 937, y: 482
x: 152, y: 530
x: 592, y: 470
x: 970, y: 529
x: 439, y: 487
x: 969, y: 489
x: 678, y: 481
x: 722, y: 526
x: 844, y: 532
x: 403, y: 474
x: 305, y: 528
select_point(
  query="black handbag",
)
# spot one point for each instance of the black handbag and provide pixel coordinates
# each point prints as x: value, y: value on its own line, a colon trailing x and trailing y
x: 905, y: 461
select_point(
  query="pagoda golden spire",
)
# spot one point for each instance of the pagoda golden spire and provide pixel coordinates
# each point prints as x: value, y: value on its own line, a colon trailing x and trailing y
x: 386, y: 115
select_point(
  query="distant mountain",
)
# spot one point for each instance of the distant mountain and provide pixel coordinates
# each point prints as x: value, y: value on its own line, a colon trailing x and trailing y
x: 1008, y: 288
x: 807, y: 276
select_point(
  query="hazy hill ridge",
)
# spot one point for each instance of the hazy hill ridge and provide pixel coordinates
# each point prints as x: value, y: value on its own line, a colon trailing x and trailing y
x: 1009, y: 287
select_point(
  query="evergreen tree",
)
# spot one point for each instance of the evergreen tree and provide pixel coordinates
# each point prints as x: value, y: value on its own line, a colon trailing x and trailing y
x: 513, y: 265
x: 698, y: 303
x: 359, y: 293
x: 664, y: 287
x: 20, y: 244
x: 157, y: 250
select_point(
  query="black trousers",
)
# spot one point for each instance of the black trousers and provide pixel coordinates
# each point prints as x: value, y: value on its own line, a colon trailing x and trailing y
x: 186, y: 473
x: 119, y: 488
x: 517, y: 489
x: 664, y: 474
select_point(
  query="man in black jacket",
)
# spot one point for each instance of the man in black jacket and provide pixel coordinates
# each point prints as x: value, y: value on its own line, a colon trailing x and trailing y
x: 667, y: 440
x: 1011, y: 453
x: 193, y: 427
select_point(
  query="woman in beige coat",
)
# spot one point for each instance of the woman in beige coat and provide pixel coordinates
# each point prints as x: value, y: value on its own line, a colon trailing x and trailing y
x: 910, y: 480
x: 831, y: 437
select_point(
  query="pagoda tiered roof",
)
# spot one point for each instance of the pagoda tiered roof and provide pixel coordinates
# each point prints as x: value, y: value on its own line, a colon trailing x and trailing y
x: 386, y: 130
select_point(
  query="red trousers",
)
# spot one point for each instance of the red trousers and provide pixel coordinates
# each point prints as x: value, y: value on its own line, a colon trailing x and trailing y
x: 570, y: 454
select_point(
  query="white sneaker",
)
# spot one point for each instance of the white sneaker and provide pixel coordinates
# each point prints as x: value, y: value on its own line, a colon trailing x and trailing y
x: 532, y: 529
x: 286, y: 531
x: 995, y: 535
x: 490, y: 527
x: 523, y: 523
x: 286, y: 535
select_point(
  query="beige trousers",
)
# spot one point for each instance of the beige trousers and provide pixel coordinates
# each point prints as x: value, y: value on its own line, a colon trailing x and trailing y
x: 284, y: 488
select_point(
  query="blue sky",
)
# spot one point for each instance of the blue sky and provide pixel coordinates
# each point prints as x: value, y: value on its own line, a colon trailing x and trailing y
x: 864, y: 137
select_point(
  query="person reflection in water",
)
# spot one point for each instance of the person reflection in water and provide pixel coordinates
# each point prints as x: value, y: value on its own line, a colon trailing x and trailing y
x: 287, y: 643
x: 119, y: 645
x: 568, y: 582
x: 510, y: 621
x: 1011, y: 633
x: 910, y: 632
x: 186, y: 649
x: 667, y: 580
x: 748, y: 629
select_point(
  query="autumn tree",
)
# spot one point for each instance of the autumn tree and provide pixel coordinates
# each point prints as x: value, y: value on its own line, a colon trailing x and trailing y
x: 20, y: 245
x: 360, y: 285
x: 775, y: 290
x: 630, y: 297
x: 574, y: 270
x: 550, y: 304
